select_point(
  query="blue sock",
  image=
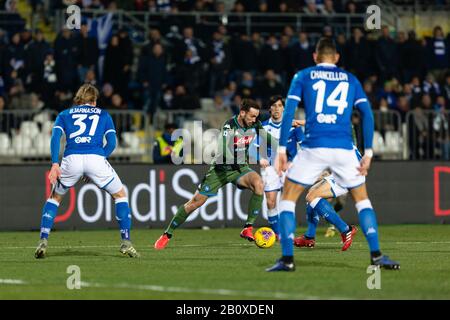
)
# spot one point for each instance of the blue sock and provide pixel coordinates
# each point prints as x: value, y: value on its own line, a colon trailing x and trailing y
x: 287, y: 227
x: 368, y: 223
x: 48, y: 216
x: 325, y: 210
x: 123, y: 216
x: 273, y: 219
x: 313, y: 220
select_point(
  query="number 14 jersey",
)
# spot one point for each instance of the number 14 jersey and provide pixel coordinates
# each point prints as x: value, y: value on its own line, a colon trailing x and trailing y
x: 328, y: 94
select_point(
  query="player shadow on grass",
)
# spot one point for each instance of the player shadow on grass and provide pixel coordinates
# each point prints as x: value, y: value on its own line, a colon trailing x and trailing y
x: 68, y: 253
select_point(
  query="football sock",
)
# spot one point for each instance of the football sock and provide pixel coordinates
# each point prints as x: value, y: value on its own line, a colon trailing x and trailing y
x: 325, y: 210
x: 273, y: 220
x: 313, y: 220
x: 254, y: 208
x: 48, y: 216
x: 287, y: 227
x: 179, y: 219
x: 368, y: 223
x: 123, y: 216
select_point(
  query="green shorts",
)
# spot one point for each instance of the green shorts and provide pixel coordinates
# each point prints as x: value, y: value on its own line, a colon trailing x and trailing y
x: 217, y: 177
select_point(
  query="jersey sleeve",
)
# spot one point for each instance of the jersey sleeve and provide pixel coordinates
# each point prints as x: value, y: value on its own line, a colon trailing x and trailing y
x: 293, y: 98
x: 362, y: 104
x: 109, y: 125
x: 59, y: 124
x: 360, y: 95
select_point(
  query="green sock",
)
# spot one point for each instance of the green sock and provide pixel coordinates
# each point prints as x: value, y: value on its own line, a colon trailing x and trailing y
x: 179, y: 219
x: 254, y: 208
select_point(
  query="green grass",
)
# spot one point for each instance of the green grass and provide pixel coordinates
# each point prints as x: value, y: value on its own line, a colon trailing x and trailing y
x: 217, y: 264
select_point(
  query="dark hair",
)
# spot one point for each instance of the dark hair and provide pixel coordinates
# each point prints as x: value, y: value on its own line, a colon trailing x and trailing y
x: 325, y: 46
x: 246, y: 104
x: 274, y: 99
x: 169, y: 126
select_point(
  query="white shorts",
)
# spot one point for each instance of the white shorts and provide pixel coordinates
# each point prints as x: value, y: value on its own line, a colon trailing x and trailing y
x: 95, y: 167
x: 309, y: 163
x: 272, y: 181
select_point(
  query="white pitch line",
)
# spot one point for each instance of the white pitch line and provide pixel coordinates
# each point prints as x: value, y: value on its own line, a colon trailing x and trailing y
x: 220, y: 292
x: 228, y: 244
x: 12, y: 281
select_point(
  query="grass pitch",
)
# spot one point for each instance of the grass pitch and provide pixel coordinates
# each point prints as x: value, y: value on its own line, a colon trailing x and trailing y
x: 217, y: 264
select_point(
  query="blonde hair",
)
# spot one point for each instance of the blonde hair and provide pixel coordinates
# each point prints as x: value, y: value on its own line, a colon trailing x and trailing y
x: 86, y: 94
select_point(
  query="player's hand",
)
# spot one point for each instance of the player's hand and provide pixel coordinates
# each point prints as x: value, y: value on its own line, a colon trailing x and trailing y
x: 281, y: 163
x: 264, y: 163
x: 55, y: 173
x: 364, y: 165
x: 298, y: 123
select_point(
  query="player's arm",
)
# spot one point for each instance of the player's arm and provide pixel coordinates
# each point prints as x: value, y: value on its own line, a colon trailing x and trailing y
x: 267, y: 141
x: 55, y: 145
x: 226, y: 145
x: 368, y: 126
x: 110, y: 136
x: 293, y: 98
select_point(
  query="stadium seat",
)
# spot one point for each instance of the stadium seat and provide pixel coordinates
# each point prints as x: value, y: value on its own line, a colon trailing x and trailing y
x: 47, y: 127
x: 132, y: 142
x: 29, y: 129
x: 393, y: 141
x: 22, y: 145
x: 5, y: 144
x: 207, y: 104
x: 378, y: 143
x: 41, y: 143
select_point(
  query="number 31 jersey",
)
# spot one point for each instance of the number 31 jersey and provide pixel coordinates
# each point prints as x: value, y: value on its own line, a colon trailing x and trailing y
x: 84, y: 127
x: 328, y: 94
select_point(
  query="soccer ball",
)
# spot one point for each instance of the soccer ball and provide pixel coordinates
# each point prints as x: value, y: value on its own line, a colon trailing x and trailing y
x: 264, y: 237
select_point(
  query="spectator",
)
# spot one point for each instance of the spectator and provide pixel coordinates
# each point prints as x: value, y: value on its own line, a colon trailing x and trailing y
x: 164, y: 147
x: 35, y: 54
x: 403, y: 106
x: 271, y: 57
x: 245, y: 55
x: 49, y: 78
x: 152, y: 74
x: 413, y: 58
x: 66, y: 60
x: 115, y: 66
x: 105, y: 100
x: 446, y: 89
x: 270, y: 86
x: 441, y: 130
x: 15, y: 57
x: 439, y: 51
x: 357, y: 54
x: 184, y: 100
x: 88, y: 52
x: 126, y: 49
x: 386, y: 55
x: 219, y: 58
x: 90, y: 77
x: 431, y: 87
x: 301, y: 54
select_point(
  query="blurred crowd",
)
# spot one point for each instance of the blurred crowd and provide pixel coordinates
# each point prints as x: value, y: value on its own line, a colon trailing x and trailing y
x: 180, y: 63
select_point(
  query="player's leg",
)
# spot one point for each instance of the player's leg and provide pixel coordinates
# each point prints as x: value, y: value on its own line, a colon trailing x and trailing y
x: 71, y: 172
x: 253, y: 181
x: 212, y: 181
x: 180, y: 217
x: 272, y: 211
x: 368, y: 223
x: 338, y: 204
x: 291, y: 192
x: 102, y: 174
x: 49, y: 212
x: 272, y: 185
x: 316, y: 198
